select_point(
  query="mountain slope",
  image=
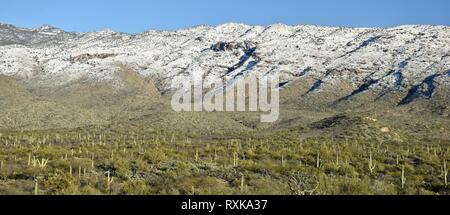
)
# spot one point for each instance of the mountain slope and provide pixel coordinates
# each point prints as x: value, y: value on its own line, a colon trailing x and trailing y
x: 324, y: 68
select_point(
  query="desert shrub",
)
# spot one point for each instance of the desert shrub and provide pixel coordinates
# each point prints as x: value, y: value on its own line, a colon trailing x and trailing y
x: 155, y: 156
x: 263, y: 186
x: 121, y: 167
x: 89, y: 190
x: 135, y: 187
x: 214, y: 186
x: 382, y: 188
x: 353, y: 186
x: 56, y: 183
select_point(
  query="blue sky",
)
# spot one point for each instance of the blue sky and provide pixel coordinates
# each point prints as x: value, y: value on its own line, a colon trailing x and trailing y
x: 139, y: 15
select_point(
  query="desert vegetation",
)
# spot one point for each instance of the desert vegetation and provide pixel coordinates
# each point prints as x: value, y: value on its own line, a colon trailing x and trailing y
x: 133, y: 160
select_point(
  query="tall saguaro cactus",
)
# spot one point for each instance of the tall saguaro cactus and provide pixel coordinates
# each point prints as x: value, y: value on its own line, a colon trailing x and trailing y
x: 109, y: 180
x: 36, y: 188
x: 371, y: 163
x: 403, y: 179
x: 242, y: 183
x: 318, y: 160
x: 234, y: 159
x: 445, y: 171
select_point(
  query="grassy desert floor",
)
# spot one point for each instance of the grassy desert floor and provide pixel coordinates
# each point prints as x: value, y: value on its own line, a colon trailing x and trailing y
x: 134, y: 160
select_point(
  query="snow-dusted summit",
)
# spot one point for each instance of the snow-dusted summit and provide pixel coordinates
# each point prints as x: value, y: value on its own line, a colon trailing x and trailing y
x: 412, y: 59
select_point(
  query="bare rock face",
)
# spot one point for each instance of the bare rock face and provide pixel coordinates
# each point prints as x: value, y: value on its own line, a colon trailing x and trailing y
x: 336, y: 67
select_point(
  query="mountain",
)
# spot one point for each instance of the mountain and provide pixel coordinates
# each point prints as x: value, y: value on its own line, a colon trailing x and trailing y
x: 72, y: 79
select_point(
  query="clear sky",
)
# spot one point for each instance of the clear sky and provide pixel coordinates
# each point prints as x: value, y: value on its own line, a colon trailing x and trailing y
x: 139, y: 15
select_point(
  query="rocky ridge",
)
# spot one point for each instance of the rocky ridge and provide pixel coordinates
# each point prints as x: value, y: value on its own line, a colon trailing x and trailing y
x: 320, y: 65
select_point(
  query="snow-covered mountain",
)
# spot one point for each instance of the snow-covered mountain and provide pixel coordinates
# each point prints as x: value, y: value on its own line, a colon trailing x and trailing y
x: 413, y: 60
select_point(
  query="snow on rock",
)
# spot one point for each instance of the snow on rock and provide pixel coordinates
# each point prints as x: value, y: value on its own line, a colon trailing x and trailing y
x: 388, y: 59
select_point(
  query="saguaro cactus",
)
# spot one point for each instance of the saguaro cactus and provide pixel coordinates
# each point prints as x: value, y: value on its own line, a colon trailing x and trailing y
x: 234, y: 159
x: 36, y: 188
x: 109, y: 180
x: 445, y: 171
x: 43, y: 163
x: 403, y: 179
x: 371, y: 163
x: 337, y: 159
x: 193, y: 190
x: 92, y: 161
x: 318, y: 160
